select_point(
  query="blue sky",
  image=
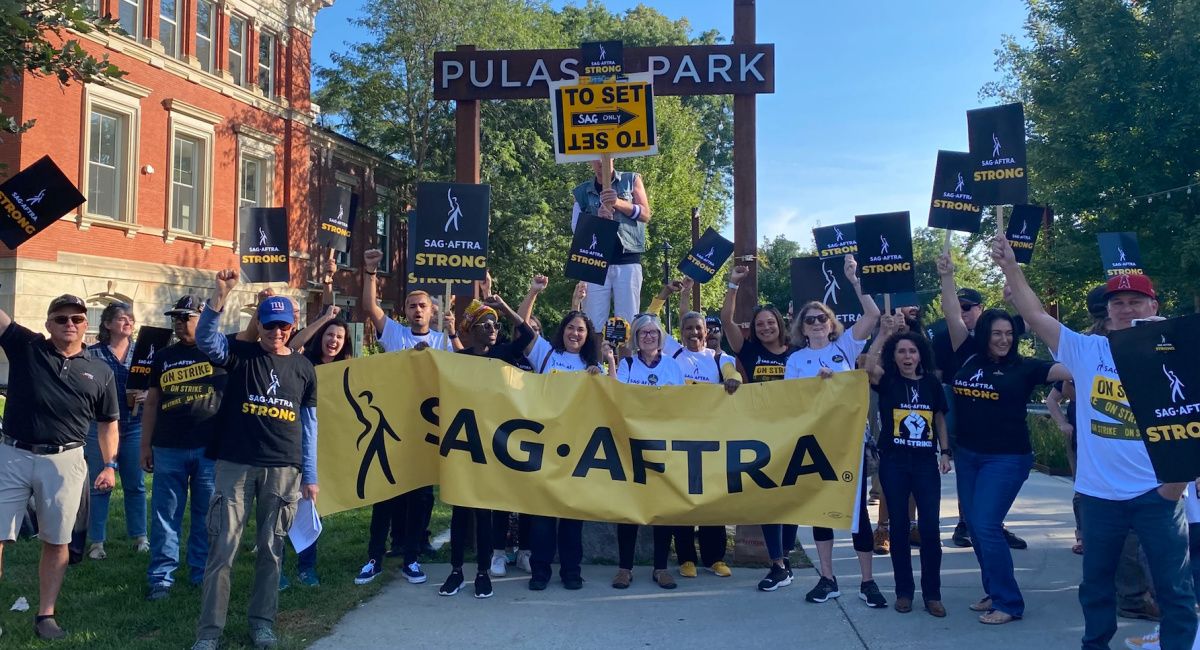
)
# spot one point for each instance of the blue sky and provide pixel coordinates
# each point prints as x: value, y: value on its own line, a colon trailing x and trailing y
x: 866, y: 92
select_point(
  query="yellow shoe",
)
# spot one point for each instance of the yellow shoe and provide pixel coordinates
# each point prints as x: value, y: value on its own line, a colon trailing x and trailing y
x: 721, y: 569
x: 687, y: 569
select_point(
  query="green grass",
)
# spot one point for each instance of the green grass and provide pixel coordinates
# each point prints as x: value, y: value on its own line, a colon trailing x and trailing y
x: 1049, y: 445
x: 103, y: 603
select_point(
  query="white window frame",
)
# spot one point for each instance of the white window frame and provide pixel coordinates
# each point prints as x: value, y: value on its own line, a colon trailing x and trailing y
x: 267, y: 71
x: 195, y: 123
x: 259, y: 147
x: 122, y: 99
x: 241, y: 77
x: 139, y: 18
x: 173, y: 21
x: 206, y: 64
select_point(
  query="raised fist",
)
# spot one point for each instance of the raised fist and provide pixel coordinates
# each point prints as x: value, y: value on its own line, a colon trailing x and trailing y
x: 371, y: 260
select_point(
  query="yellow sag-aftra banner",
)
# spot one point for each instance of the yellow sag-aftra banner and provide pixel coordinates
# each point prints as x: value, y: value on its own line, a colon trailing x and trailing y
x: 586, y: 447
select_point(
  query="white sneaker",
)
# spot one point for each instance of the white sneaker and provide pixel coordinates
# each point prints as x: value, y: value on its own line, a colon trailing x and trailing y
x: 499, y: 562
x: 523, y: 561
x: 1148, y: 642
x: 141, y: 545
x: 96, y: 551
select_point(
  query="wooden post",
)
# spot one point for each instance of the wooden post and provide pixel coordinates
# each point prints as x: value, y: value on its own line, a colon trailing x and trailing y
x: 946, y: 244
x: 695, y: 238
x: 887, y: 303
x: 466, y: 156
x: 605, y: 178
x: 1000, y: 220
x: 745, y: 170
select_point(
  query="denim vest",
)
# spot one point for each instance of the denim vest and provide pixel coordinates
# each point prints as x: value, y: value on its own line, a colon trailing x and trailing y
x: 630, y: 232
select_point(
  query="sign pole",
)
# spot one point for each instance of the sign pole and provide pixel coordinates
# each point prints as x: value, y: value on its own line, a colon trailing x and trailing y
x: 606, y: 181
x: 445, y: 305
x: 1000, y: 220
x: 887, y: 303
x: 946, y: 244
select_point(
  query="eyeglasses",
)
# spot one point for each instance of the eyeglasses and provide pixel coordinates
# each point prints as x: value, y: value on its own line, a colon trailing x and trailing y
x: 277, y: 325
x: 818, y: 318
x: 648, y: 334
x: 78, y: 319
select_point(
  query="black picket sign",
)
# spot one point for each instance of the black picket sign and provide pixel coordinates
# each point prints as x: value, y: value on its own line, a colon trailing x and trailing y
x: 336, y: 222
x: 149, y: 341
x: 1159, y: 366
x: 33, y: 199
x: 1119, y: 254
x: 824, y: 280
x: 997, y: 137
x: 885, y: 255
x: 432, y: 286
x: 1023, y: 226
x: 264, y: 244
x: 953, y: 206
x: 451, y: 230
x: 836, y: 240
x: 593, y: 245
x: 706, y: 257
x: 602, y: 58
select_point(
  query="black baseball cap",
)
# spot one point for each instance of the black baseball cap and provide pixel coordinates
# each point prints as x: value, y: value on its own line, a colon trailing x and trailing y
x: 968, y: 296
x: 1097, y: 301
x: 712, y: 323
x: 188, y: 305
x: 67, y: 301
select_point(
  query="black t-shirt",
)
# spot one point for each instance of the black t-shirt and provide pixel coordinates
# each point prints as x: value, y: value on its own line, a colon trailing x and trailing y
x: 191, y: 389
x: 906, y: 413
x: 511, y: 352
x: 947, y: 360
x: 760, y: 363
x: 990, y: 400
x: 260, y: 412
x: 52, y: 399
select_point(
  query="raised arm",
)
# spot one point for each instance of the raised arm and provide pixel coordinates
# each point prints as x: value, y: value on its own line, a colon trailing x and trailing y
x: 371, y: 308
x: 578, y: 295
x: 870, y: 318
x: 305, y: 335
x: 733, y: 333
x: 888, y: 324
x: 1023, y: 297
x: 5, y: 321
x: 955, y: 327
x: 537, y: 284
x: 685, y: 292
x: 209, y: 338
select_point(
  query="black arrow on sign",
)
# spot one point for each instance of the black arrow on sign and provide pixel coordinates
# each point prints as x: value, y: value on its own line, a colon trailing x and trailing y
x: 602, y: 118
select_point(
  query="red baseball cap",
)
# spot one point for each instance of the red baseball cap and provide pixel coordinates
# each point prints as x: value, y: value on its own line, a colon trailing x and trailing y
x: 1135, y: 283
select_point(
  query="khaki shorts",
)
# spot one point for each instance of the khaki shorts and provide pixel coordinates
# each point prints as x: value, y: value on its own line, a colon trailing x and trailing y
x: 56, y: 482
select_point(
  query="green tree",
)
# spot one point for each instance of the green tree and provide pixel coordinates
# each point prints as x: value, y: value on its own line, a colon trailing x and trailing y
x: 775, y: 269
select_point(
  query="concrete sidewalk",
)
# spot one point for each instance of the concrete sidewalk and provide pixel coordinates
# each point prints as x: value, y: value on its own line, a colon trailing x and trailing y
x: 711, y: 612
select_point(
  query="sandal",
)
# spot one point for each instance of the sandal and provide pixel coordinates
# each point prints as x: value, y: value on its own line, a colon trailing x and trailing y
x: 996, y: 617
x: 1077, y: 548
x: 984, y: 605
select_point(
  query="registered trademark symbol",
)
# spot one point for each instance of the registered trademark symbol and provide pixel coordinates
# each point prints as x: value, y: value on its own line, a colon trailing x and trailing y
x: 847, y: 476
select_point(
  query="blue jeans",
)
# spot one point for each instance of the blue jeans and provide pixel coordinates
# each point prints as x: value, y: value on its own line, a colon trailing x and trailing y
x: 906, y: 473
x: 306, y: 560
x: 987, y: 486
x: 133, y: 482
x: 780, y: 539
x: 176, y: 471
x: 1163, y: 533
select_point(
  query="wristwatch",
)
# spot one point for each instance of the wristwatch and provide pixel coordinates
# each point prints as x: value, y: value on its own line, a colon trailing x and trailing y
x: 947, y: 453
x: 731, y: 286
x: 112, y: 465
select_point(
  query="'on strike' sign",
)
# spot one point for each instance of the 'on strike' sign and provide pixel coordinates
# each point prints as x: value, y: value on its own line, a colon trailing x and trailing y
x: 615, y: 117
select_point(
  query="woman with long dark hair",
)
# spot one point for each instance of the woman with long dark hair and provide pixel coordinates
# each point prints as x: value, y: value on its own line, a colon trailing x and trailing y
x: 912, y: 411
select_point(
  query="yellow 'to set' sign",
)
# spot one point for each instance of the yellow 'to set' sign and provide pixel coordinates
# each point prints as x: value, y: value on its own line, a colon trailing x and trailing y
x: 614, y: 117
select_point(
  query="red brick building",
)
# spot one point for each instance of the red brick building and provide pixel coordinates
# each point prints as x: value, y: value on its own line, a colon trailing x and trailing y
x: 213, y: 114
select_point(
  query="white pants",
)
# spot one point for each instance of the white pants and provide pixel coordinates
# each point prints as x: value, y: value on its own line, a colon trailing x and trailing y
x: 622, y: 289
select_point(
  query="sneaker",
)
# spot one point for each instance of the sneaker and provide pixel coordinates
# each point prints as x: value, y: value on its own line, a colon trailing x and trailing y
x: 523, y: 561
x: 483, y: 585
x: 870, y: 594
x: 914, y: 535
x: 414, y: 574
x: 263, y: 637
x: 205, y: 644
x: 777, y: 577
x: 309, y: 579
x: 687, y: 570
x: 573, y: 583
x: 158, y: 592
x: 96, y: 551
x: 664, y: 579
x: 1148, y: 642
x: 824, y: 590
x: 1148, y: 611
x: 1014, y: 541
x: 499, y: 566
x: 720, y: 569
x: 623, y: 579
x: 48, y: 629
x: 452, y: 584
x: 284, y: 583
x: 537, y: 584
x: 141, y: 545
x: 883, y: 544
x: 961, y: 536
x: 368, y: 573
x: 787, y: 566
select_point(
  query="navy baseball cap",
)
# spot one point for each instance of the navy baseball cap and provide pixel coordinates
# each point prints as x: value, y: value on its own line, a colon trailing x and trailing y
x: 276, y: 309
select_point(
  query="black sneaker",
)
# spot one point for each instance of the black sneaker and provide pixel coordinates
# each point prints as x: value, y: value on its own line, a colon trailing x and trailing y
x: 870, y: 594
x: 414, y: 574
x: 573, y: 582
x: 1014, y: 541
x: 537, y: 584
x: 787, y: 565
x: 961, y: 536
x: 368, y: 572
x: 777, y: 577
x: 483, y: 585
x: 452, y: 584
x: 824, y: 590
x: 160, y: 592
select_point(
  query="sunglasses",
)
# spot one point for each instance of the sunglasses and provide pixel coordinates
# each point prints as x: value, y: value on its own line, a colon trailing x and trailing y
x: 966, y: 307
x: 277, y: 325
x: 78, y: 319
x: 818, y: 318
x: 488, y: 327
x: 182, y: 318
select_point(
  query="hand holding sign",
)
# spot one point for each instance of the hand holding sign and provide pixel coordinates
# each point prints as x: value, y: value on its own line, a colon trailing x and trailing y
x: 945, y: 266
x: 851, y: 269
x: 1002, y: 252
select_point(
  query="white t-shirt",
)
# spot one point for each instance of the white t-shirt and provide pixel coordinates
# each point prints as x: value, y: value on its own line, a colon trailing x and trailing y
x: 664, y: 373
x: 838, y: 356
x: 400, y: 337
x: 1113, y: 463
x: 545, y: 359
x: 1191, y: 504
x: 701, y: 367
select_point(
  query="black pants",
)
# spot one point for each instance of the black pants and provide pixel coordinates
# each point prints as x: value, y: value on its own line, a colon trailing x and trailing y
x: 864, y: 542
x: 500, y: 521
x: 627, y: 543
x: 712, y: 544
x: 462, y: 520
x: 414, y: 510
x: 914, y: 473
x: 547, y: 535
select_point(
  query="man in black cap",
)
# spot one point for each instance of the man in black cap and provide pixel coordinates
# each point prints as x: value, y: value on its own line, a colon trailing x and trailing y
x: 177, y: 423
x: 55, y: 392
x: 712, y: 325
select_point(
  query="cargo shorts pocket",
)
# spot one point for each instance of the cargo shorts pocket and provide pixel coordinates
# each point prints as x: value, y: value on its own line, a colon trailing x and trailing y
x: 287, y: 513
x: 216, y: 514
